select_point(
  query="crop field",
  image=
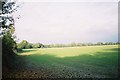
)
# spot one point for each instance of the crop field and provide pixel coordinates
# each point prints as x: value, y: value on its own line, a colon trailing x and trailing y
x: 73, y: 62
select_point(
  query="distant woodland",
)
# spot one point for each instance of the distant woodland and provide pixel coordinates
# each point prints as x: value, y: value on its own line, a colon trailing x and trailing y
x: 27, y: 45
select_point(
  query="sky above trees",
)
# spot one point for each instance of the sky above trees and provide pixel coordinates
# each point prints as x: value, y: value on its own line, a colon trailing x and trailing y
x: 66, y: 22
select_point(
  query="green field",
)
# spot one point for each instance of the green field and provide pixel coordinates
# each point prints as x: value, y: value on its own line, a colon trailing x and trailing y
x: 77, y: 62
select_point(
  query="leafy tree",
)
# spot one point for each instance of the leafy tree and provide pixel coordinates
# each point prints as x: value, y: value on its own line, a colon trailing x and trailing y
x: 7, y: 32
x: 24, y: 45
x: 99, y: 43
x: 8, y: 40
x: 38, y: 45
x: 7, y: 24
x: 29, y: 45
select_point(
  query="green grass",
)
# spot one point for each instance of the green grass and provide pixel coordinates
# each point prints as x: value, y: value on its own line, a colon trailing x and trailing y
x: 91, y: 61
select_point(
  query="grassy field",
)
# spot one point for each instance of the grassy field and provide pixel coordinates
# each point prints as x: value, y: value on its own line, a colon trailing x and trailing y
x: 77, y: 62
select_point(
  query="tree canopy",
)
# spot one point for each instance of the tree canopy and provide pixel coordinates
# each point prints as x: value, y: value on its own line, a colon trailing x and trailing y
x: 7, y: 29
x: 27, y: 45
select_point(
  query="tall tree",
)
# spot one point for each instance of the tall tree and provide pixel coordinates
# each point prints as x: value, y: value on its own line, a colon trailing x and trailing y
x: 6, y: 32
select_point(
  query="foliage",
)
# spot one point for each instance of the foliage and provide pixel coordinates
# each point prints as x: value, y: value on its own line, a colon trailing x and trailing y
x: 7, y: 34
x: 80, y: 44
x: 7, y: 26
x: 23, y: 44
x: 8, y: 39
x: 37, y: 45
x: 6, y: 18
x: 26, y: 45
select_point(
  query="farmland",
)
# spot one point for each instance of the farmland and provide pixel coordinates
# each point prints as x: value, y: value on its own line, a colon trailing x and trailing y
x: 76, y: 62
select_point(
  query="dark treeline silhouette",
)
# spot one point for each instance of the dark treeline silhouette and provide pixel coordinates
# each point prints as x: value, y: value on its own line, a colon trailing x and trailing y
x: 27, y: 45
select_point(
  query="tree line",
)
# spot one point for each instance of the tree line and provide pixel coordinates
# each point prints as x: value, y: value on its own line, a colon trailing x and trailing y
x: 80, y: 44
x: 27, y: 45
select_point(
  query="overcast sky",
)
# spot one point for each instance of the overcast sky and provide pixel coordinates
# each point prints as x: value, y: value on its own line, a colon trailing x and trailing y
x: 66, y: 22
